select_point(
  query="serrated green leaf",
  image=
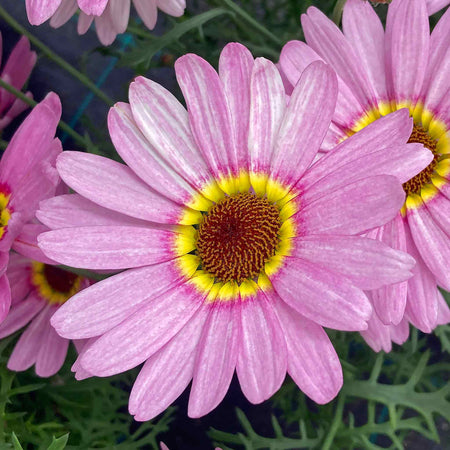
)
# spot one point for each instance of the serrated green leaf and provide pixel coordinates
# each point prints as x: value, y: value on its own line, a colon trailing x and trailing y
x: 15, y: 442
x: 59, y: 443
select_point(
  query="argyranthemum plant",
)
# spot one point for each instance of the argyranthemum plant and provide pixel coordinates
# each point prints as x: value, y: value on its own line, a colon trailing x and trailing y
x: 380, y: 72
x: 110, y: 16
x: 238, y: 252
x: 27, y: 176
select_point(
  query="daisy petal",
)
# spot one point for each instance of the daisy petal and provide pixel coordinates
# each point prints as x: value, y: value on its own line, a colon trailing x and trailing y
x: 267, y: 107
x: 142, y: 333
x: 369, y: 264
x: 107, y: 247
x: 26, y: 243
x: 327, y: 40
x: 215, y: 361
x: 262, y: 358
x: 305, y: 123
x: 389, y: 301
x: 20, y: 315
x: 38, y: 11
x: 114, y: 186
x: 235, y: 69
x: 364, y: 30
x: 102, y: 306
x: 327, y: 298
x: 73, y: 210
x: 5, y: 297
x: 209, y: 114
x: 167, y: 372
x: 377, y: 335
x: 52, y: 352
x: 312, y: 361
x: 431, y: 241
x: 345, y: 211
x: 147, y: 11
x: 164, y: 122
x: 408, y: 52
x: 27, y: 348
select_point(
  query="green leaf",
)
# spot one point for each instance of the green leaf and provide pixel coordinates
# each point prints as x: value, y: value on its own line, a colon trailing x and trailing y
x: 59, y: 443
x: 144, y: 53
x: 15, y: 442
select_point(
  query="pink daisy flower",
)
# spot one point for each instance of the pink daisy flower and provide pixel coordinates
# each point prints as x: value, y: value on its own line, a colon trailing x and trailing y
x: 27, y: 176
x: 111, y: 16
x: 380, y: 72
x: 16, y: 72
x: 238, y: 251
x: 38, y: 289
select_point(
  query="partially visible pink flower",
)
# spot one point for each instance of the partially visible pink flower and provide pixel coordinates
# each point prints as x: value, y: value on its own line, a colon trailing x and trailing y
x: 38, y: 289
x: 238, y: 250
x: 110, y: 16
x: 15, y: 72
x: 27, y: 176
x: 381, y: 71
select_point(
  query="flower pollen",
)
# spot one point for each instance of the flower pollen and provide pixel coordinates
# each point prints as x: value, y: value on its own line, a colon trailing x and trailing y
x: 5, y: 212
x: 415, y: 184
x: 238, y: 236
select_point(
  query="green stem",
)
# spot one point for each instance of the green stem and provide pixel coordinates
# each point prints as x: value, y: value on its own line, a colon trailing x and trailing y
x: 29, y: 101
x: 337, y: 420
x: 55, y: 58
x: 6, y: 383
x: 337, y: 11
x: 251, y: 21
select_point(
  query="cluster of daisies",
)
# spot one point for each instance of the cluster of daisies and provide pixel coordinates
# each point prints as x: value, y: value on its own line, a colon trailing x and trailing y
x: 284, y: 199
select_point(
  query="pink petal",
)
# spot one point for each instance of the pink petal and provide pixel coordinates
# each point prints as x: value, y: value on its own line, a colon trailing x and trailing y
x: 141, y: 157
x: 52, y: 352
x: 84, y: 22
x: 108, y: 247
x: 27, y: 348
x: 422, y: 299
x: 104, y: 26
x: 400, y: 332
x: 443, y: 311
x: 167, y: 372
x: 39, y: 11
x: 262, y: 358
x: 19, y: 277
x: 345, y: 211
x: 377, y: 335
x: 20, y: 315
x: 26, y: 243
x: 369, y: 264
x: 105, y: 304
x: 63, y: 14
x: 73, y: 210
x: 17, y: 69
x: 267, y: 108
x: 389, y: 301
x: 439, y: 209
x: 114, y: 186
x: 235, y: 69
x: 325, y: 297
x: 147, y: 11
x: 364, y: 31
x: 432, y: 242
x: 5, y: 297
x: 164, y: 122
x: 119, y: 11
x: 390, y: 131
x: 407, y: 52
x: 312, y: 361
x: 305, y: 123
x: 94, y: 7
x: 216, y: 359
x: 437, y: 77
x: 209, y: 114
x: 31, y: 143
x: 434, y: 6
x: 328, y: 41
x: 295, y: 57
x: 173, y: 7
x: 143, y: 333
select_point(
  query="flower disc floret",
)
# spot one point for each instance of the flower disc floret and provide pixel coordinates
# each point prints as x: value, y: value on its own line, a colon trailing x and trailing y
x: 238, y: 236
